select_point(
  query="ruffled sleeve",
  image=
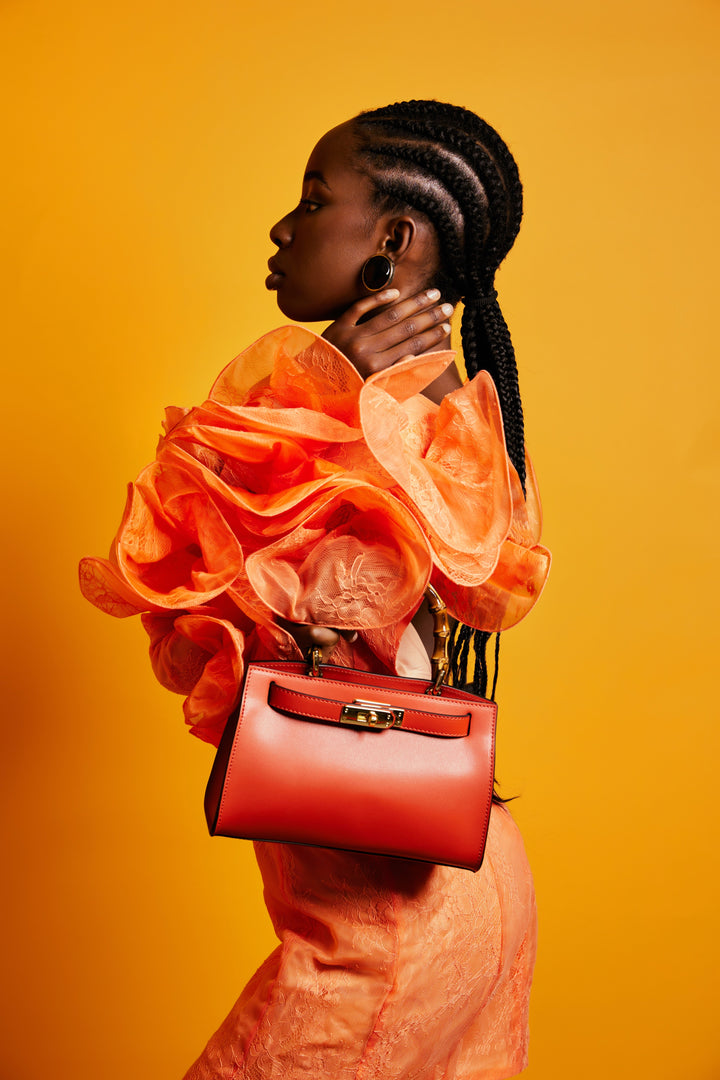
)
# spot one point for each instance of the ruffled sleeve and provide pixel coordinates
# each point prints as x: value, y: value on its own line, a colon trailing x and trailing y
x: 448, y: 461
x: 298, y: 492
x: 520, y: 574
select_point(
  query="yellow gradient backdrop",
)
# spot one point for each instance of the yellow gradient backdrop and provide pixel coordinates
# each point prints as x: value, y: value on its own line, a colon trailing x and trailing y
x: 148, y: 146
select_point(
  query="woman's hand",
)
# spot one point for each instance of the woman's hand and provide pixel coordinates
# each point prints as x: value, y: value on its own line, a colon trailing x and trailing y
x: 379, y: 330
x: 323, y: 638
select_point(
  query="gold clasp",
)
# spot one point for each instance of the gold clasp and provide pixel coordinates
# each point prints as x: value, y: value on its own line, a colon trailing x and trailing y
x: 315, y: 660
x: 371, y: 714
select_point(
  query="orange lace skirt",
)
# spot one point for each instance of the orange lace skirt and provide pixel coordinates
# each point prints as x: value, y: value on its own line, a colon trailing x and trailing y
x: 386, y: 969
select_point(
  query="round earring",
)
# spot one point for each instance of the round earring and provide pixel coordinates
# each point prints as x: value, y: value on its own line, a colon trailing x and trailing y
x: 377, y: 273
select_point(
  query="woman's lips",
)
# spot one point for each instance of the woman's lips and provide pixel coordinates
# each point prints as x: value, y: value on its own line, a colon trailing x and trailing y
x: 275, y: 276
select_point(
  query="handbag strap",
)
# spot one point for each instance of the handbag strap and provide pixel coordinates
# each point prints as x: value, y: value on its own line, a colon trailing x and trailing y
x: 370, y: 715
x: 439, y: 661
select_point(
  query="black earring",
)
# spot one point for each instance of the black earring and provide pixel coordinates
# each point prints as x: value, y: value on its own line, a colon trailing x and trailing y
x: 377, y: 273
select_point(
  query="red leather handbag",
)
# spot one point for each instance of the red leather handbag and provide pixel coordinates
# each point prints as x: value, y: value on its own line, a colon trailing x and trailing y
x: 334, y: 757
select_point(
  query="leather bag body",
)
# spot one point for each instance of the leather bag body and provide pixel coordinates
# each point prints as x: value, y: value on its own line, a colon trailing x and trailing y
x: 356, y: 761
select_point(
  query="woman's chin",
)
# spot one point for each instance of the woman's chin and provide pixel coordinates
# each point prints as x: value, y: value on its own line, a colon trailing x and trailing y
x: 298, y: 312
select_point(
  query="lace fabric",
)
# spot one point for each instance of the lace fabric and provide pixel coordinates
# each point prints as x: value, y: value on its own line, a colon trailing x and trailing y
x: 386, y: 970
x: 298, y: 491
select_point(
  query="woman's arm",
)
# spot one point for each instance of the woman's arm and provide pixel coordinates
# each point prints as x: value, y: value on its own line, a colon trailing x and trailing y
x: 316, y: 637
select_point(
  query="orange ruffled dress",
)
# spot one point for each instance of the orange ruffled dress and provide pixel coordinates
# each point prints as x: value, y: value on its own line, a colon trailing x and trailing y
x: 297, y: 490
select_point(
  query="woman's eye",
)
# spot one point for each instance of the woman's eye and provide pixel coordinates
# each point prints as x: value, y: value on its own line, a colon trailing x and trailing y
x: 310, y: 206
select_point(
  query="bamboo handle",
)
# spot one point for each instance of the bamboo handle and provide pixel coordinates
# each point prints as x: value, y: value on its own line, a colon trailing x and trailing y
x: 439, y: 659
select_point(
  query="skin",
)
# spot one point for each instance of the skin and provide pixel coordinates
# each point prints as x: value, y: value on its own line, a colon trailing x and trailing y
x: 322, y: 245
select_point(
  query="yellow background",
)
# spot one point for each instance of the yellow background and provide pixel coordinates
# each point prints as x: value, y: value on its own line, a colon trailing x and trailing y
x: 148, y: 146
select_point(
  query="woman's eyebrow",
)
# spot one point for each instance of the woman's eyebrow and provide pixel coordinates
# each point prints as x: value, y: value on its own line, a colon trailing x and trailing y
x: 314, y: 174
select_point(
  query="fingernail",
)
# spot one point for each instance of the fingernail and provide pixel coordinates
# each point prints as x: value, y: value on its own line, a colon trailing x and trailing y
x: 447, y: 309
x: 433, y: 294
x: 446, y: 327
x: 390, y: 294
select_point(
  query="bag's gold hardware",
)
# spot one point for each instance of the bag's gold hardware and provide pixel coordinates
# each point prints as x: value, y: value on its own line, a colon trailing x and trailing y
x: 439, y: 659
x: 315, y: 660
x: 371, y: 714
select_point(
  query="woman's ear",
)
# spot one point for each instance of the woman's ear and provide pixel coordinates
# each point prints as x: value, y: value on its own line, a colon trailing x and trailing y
x: 411, y: 244
x: 401, y: 234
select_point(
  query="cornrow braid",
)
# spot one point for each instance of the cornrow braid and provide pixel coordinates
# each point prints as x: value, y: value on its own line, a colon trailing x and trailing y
x: 465, y: 123
x: 396, y: 193
x: 471, y: 215
x: 483, y: 205
x: 474, y: 141
x: 451, y: 166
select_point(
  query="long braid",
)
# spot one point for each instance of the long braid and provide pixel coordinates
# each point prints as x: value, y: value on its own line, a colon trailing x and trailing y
x: 450, y: 165
x: 484, y: 327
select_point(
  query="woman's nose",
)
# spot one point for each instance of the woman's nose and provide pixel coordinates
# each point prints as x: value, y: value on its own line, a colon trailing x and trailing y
x: 281, y: 233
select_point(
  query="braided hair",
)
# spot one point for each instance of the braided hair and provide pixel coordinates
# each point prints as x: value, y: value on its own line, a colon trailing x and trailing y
x: 452, y: 167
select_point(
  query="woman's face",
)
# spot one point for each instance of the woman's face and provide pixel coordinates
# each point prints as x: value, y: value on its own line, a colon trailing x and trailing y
x: 324, y: 241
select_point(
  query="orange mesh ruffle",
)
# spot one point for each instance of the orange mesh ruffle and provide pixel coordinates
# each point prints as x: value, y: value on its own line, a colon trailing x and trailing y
x: 520, y: 573
x: 359, y: 561
x: 298, y: 491
x: 449, y: 463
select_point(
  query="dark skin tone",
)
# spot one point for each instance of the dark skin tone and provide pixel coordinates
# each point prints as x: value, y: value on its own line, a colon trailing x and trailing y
x: 322, y: 246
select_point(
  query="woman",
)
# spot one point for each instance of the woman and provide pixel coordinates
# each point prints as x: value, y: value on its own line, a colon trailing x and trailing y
x: 307, y: 504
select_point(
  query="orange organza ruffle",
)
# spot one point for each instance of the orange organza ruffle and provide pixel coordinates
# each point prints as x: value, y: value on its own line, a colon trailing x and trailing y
x: 298, y: 491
